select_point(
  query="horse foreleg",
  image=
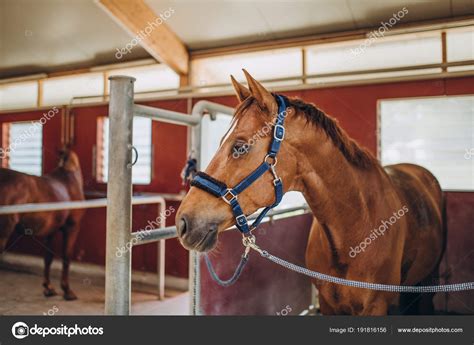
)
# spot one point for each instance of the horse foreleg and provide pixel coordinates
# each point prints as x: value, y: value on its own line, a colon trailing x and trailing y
x: 378, y: 308
x: 69, y: 239
x: 7, y: 226
x: 3, y: 244
x: 48, y: 259
x: 379, y: 304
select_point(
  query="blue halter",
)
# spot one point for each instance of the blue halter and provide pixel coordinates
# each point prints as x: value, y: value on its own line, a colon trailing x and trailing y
x: 229, y: 195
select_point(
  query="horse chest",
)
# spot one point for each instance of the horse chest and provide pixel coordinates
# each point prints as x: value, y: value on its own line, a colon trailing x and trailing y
x: 42, y: 224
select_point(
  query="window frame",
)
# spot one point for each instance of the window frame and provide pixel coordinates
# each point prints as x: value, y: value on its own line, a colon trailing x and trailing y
x: 13, y: 84
x: 5, y: 163
x: 98, y: 174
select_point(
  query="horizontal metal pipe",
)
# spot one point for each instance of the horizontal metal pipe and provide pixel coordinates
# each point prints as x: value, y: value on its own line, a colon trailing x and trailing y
x: 193, y: 88
x: 149, y: 236
x: 163, y: 115
x: 392, y: 69
x: 211, y: 108
x: 71, y: 205
x: 154, y: 235
x: 166, y: 196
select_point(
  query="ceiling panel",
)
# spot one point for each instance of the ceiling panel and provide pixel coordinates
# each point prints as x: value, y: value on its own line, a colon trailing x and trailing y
x: 462, y: 7
x: 214, y: 23
x: 53, y: 35
x: 211, y: 23
x: 371, y: 13
x: 49, y: 35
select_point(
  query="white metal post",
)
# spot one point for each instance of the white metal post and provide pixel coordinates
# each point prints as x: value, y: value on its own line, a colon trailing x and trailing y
x: 119, y: 197
x: 194, y: 257
x: 161, y: 251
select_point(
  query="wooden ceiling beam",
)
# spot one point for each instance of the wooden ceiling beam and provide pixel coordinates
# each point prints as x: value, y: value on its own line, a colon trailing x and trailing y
x: 150, y: 30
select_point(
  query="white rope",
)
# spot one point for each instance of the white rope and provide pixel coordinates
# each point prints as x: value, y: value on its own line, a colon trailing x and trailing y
x: 249, y: 242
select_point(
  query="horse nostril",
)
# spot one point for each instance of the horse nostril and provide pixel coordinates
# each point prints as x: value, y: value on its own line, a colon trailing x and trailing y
x: 182, y: 227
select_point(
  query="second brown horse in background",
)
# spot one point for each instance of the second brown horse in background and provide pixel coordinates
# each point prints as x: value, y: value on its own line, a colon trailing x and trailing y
x: 64, y: 183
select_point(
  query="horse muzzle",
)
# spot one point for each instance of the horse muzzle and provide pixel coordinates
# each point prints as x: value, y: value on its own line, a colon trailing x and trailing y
x: 195, y: 234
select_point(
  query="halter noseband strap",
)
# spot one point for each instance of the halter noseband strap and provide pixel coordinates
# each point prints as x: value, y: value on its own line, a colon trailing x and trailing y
x: 229, y: 195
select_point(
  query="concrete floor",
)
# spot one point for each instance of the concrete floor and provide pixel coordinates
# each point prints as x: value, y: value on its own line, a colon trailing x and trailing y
x: 21, y: 294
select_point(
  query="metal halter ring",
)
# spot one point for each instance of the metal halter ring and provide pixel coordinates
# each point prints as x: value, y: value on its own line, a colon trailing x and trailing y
x: 136, y: 155
x: 134, y: 149
x: 275, y: 160
x: 224, y: 197
x: 249, y: 243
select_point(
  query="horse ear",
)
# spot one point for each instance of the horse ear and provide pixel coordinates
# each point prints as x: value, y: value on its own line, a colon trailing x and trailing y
x: 262, y: 95
x: 241, y: 91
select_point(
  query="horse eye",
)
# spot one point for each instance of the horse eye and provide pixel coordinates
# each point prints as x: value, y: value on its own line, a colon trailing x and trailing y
x: 240, y: 149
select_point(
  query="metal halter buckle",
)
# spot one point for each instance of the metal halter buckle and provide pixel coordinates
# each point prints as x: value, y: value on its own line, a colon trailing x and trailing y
x: 242, y: 216
x: 233, y: 196
x: 279, y: 132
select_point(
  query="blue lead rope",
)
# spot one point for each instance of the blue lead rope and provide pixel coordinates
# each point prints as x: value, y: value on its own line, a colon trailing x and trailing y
x: 238, y: 271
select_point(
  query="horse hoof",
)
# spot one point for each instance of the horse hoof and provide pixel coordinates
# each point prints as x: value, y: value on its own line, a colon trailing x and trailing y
x: 70, y: 296
x: 49, y: 292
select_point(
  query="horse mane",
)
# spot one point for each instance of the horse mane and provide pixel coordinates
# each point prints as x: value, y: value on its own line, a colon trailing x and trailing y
x: 354, y: 153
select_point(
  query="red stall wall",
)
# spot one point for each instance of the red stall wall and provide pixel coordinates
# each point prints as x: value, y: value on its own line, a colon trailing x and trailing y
x: 285, y: 292
x: 354, y: 106
x: 168, y: 158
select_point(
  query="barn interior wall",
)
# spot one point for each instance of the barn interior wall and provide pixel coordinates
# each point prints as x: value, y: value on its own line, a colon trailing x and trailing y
x: 355, y: 107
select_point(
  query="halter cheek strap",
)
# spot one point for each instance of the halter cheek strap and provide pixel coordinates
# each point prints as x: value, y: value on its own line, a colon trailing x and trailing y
x: 229, y: 195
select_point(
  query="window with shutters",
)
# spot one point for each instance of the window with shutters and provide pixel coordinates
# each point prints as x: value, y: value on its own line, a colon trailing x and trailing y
x: 141, y: 171
x: 22, y: 147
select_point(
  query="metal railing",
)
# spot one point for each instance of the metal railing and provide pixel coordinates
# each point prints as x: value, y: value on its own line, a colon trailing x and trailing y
x: 170, y: 231
x: 75, y: 205
x: 308, y: 81
x: 159, y: 199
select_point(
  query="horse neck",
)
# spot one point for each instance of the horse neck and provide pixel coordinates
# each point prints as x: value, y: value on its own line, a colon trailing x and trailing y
x: 67, y: 177
x: 338, y: 192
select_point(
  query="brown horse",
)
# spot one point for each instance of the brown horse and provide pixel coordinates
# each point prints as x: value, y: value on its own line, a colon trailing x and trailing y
x: 63, y: 184
x: 370, y: 224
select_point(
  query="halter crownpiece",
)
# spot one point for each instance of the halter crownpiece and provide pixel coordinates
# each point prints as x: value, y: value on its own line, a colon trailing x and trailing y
x: 230, y: 195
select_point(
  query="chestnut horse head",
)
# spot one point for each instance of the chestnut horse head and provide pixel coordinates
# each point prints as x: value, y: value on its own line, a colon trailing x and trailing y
x: 68, y: 159
x: 244, y: 147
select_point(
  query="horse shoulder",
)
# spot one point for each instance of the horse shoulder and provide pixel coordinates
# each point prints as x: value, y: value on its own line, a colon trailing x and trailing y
x: 11, y: 182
